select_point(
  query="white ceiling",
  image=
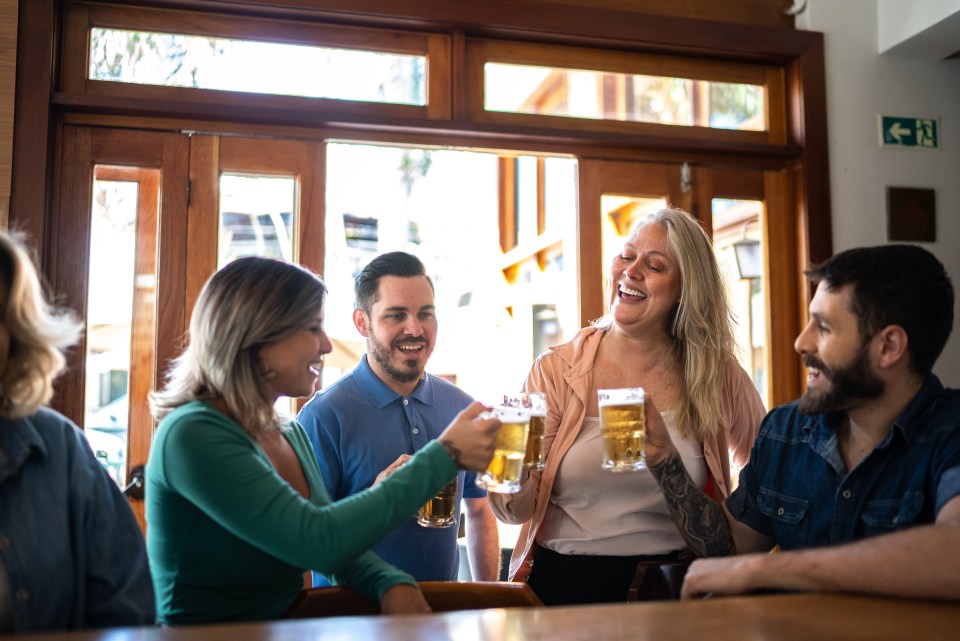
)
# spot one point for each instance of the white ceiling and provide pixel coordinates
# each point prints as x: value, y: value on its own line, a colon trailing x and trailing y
x: 926, y: 29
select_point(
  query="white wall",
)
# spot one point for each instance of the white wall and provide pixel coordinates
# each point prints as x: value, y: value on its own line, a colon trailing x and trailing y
x: 861, y: 84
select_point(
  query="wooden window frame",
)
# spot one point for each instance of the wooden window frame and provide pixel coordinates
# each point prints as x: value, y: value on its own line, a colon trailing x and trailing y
x: 479, y: 52
x: 797, y: 167
x: 78, y: 89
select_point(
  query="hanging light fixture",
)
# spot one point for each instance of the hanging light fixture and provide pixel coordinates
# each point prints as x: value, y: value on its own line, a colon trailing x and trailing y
x: 749, y: 257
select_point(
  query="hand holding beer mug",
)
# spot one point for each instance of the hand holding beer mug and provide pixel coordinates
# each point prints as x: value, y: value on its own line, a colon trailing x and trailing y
x: 538, y: 414
x: 503, y: 473
x: 440, y: 511
x: 622, y: 428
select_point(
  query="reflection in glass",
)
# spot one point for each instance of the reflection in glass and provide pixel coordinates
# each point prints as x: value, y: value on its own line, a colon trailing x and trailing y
x: 109, y: 320
x: 256, y: 217
x: 605, y: 95
x: 738, y: 245
x: 178, y: 60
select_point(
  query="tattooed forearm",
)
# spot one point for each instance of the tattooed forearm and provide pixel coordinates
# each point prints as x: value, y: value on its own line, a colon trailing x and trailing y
x: 700, y: 519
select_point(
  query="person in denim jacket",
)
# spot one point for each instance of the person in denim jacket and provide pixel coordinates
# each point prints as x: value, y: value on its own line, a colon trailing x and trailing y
x: 858, y: 482
x: 71, y: 553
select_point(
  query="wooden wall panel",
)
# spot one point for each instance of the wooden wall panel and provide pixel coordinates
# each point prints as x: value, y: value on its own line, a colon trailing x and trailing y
x: 8, y: 79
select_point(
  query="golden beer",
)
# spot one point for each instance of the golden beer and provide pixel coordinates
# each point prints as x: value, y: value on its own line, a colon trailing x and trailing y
x: 622, y: 429
x: 503, y: 473
x: 534, y: 456
x: 440, y: 511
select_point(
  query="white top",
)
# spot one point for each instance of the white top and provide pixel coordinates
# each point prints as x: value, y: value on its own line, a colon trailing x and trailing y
x: 595, y: 511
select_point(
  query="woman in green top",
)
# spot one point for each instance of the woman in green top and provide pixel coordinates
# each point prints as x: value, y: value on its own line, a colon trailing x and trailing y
x: 236, y: 506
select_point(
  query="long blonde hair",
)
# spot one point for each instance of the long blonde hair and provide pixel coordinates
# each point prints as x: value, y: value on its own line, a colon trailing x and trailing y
x: 247, y: 304
x: 700, y: 326
x: 39, y: 333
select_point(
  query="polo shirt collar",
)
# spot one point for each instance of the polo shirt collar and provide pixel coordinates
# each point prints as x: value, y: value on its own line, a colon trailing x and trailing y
x: 380, y: 393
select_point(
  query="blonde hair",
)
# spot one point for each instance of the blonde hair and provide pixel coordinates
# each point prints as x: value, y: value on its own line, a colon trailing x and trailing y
x: 247, y: 304
x: 700, y: 326
x: 39, y: 333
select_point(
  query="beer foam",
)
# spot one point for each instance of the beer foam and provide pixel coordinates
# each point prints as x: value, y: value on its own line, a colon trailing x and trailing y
x: 620, y: 396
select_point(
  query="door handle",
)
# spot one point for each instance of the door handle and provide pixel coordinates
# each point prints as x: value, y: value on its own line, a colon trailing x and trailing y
x: 134, y: 488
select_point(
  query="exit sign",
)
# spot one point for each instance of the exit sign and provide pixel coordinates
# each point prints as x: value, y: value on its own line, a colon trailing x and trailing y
x: 911, y: 132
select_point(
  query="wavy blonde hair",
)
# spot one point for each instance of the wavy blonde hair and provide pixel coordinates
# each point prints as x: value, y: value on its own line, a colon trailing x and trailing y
x: 701, y: 324
x: 39, y: 333
x: 250, y: 302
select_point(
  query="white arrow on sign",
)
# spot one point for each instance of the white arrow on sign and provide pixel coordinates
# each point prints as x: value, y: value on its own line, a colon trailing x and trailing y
x: 896, y: 131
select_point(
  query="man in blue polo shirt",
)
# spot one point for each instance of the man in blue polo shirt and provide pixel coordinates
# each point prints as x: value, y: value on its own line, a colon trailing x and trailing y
x: 858, y: 482
x: 387, y: 408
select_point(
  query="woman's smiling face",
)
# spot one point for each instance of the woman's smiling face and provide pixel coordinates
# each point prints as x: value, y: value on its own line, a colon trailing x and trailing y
x: 645, y: 279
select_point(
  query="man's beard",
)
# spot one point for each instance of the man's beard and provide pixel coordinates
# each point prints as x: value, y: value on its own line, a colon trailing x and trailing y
x: 381, y: 354
x: 847, y: 384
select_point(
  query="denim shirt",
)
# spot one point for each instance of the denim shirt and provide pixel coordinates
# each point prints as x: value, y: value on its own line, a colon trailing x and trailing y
x: 797, y: 489
x: 72, y: 551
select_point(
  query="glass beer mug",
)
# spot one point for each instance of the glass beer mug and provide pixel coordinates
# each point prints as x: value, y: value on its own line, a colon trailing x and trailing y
x: 441, y: 510
x: 533, y: 460
x: 503, y: 473
x: 622, y: 428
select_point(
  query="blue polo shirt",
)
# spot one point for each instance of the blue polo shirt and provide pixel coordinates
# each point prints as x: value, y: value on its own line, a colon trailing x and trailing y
x: 797, y: 490
x: 358, y: 426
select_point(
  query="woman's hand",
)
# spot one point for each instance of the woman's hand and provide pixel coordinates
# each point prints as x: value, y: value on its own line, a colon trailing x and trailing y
x: 404, y: 598
x: 471, y: 437
x: 657, y: 444
x: 390, y: 469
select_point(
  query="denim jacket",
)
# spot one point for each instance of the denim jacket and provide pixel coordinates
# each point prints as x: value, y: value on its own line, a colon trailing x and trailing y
x: 73, y: 552
x: 797, y: 489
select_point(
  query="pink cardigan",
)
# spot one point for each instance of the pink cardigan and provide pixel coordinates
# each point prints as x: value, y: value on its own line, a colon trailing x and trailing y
x: 565, y: 374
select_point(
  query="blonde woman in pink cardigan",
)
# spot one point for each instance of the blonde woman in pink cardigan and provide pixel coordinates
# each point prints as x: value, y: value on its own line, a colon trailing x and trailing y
x: 585, y: 529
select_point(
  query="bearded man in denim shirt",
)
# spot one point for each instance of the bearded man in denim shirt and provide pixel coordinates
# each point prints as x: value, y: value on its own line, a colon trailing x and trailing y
x: 858, y: 482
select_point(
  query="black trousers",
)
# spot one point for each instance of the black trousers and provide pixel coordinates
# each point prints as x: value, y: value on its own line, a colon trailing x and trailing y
x: 568, y: 579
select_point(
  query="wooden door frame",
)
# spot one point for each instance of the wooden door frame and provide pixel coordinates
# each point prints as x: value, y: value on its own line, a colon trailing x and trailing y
x: 784, y: 315
x: 37, y: 113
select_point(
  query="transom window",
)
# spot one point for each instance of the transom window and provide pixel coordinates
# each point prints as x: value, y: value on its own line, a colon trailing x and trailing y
x: 204, y: 62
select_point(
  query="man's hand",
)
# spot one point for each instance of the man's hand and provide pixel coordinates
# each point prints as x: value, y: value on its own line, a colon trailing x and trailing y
x: 729, y: 575
x: 390, y: 469
x: 471, y: 437
x: 404, y: 598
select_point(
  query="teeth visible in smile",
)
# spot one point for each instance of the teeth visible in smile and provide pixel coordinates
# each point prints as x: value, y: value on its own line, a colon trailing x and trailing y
x: 410, y: 348
x: 813, y: 371
x: 632, y: 292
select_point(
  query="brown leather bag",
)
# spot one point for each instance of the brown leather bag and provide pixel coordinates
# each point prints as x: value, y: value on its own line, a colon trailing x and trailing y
x: 660, y: 581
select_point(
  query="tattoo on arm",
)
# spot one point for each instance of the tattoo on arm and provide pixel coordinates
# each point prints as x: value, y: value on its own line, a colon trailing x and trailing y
x: 700, y: 519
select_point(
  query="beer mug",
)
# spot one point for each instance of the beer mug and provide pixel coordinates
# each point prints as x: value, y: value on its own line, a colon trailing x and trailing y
x: 622, y: 428
x: 441, y: 510
x: 503, y: 473
x: 538, y: 414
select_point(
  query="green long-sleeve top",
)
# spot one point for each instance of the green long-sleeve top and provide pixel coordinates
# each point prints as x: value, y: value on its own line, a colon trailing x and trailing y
x: 228, y: 539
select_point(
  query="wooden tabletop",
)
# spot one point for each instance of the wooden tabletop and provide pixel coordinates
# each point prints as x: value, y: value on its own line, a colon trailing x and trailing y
x: 758, y: 618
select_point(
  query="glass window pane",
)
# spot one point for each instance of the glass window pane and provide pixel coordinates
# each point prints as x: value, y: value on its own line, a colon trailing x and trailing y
x: 177, y: 60
x: 256, y: 217
x: 109, y: 320
x: 738, y: 244
x: 446, y: 212
x: 550, y: 91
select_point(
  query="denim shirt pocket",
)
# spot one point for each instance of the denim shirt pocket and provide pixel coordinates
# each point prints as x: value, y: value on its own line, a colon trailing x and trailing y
x: 887, y: 515
x: 788, y: 517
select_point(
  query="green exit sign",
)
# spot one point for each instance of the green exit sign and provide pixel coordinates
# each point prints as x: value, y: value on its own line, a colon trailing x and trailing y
x: 908, y: 131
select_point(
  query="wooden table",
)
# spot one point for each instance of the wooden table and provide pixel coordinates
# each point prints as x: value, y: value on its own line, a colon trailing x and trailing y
x: 759, y: 618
